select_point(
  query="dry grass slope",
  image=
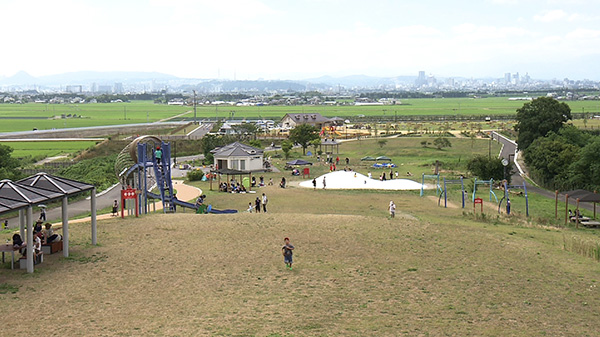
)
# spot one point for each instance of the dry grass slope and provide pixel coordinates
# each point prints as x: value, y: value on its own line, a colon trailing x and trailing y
x: 355, y: 275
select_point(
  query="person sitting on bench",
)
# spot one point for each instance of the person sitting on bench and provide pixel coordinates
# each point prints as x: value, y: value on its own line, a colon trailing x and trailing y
x: 49, y: 235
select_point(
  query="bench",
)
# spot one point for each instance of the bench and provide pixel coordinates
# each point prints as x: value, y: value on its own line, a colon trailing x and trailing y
x: 23, y: 261
x: 591, y: 224
x: 53, y: 247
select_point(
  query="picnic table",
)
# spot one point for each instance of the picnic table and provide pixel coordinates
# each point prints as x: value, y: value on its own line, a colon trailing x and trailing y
x: 9, y: 248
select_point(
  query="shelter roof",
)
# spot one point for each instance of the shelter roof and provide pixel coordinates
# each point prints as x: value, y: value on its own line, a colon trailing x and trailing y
x: 307, y: 117
x: 229, y: 171
x: 26, y: 194
x: 56, y: 184
x: 329, y: 142
x: 7, y: 205
x: 236, y: 149
x: 299, y: 162
x: 584, y: 196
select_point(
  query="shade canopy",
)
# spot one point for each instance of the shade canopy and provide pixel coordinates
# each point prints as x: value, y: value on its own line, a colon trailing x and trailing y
x: 299, y: 162
x: 383, y: 158
x: 56, y: 184
x: 584, y: 196
x: 26, y: 194
x: 367, y: 158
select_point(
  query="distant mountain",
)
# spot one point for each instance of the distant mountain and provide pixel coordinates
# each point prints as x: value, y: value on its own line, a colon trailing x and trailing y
x: 86, y: 78
x: 20, y: 78
x: 361, y: 80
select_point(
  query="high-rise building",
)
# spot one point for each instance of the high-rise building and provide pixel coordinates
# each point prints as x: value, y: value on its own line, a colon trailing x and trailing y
x: 507, y: 79
x: 118, y: 88
x: 421, y: 79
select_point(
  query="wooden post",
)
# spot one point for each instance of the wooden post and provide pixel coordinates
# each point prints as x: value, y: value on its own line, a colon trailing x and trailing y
x: 594, y: 207
x: 566, y: 209
x: 577, y: 213
x: 556, y: 204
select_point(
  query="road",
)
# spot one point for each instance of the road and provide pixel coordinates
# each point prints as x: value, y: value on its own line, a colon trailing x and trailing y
x: 201, y: 130
x: 75, y: 208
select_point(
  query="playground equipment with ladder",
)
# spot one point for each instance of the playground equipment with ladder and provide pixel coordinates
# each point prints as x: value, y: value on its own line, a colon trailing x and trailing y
x: 142, y: 172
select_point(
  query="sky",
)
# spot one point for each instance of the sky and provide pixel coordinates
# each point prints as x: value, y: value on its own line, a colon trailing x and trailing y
x: 300, y: 39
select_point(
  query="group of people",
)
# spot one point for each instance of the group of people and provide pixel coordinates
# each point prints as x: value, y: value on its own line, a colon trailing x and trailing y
x: 382, y: 176
x: 257, y: 204
x: 40, y: 236
x: 232, y: 187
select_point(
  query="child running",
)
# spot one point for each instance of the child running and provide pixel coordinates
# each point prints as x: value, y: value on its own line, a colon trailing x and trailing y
x: 287, y: 253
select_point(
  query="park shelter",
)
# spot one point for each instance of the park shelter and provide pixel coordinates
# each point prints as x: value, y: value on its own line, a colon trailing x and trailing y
x: 228, y: 173
x: 367, y: 158
x: 40, y: 189
x: 299, y: 162
x: 584, y: 196
x: 329, y: 144
x: 238, y: 156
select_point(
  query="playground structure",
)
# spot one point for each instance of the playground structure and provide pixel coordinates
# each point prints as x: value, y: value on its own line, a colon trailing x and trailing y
x: 431, y: 176
x: 138, y: 168
x: 484, y: 182
x: 507, y: 197
x: 445, y: 193
x: 329, y: 131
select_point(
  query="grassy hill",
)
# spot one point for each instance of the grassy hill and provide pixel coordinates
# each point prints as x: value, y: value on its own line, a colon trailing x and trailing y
x: 430, y: 272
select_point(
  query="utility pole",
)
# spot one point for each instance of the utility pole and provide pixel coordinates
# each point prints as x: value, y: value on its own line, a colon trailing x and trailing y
x: 195, y: 107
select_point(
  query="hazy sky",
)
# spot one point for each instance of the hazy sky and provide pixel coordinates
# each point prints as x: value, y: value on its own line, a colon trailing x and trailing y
x: 294, y: 39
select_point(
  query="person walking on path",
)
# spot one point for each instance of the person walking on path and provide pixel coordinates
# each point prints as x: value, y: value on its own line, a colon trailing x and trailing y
x: 392, y: 209
x: 43, y: 214
x: 324, y: 183
x: 115, y: 208
x: 257, y: 205
x: 314, y: 183
x: 287, y: 253
x: 264, y: 202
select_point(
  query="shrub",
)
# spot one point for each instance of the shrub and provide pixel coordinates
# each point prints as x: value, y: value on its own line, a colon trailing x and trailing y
x: 195, y: 175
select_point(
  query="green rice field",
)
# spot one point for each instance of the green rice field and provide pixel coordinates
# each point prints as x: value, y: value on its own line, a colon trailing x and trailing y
x: 47, y: 148
x: 48, y: 116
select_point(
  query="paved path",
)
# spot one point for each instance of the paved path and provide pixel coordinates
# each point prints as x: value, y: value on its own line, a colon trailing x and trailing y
x: 509, y: 151
x: 184, y: 192
x: 201, y: 130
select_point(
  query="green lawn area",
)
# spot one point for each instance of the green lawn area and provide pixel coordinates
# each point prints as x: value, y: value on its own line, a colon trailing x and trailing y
x: 47, y: 148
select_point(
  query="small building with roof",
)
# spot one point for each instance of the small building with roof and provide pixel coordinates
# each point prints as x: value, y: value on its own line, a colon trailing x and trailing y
x: 238, y: 156
x: 291, y: 120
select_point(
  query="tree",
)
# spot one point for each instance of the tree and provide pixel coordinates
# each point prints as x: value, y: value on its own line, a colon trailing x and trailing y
x: 538, y: 117
x: 303, y: 134
x: 8, y: 164
x: 585, y: 172
x: 549, y: 159
x: 315, y: 143
x: 286, y: 146
x: 441, y: 142
x: 245, y: 130
x: 486, y: 168
x: 382, y: 142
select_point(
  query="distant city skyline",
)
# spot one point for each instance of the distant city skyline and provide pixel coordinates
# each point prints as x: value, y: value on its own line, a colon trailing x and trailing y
x: 284, y: 39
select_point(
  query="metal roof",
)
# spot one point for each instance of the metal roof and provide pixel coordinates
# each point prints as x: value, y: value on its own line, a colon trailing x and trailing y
x: 56, y: 184
x: 37, y: 189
